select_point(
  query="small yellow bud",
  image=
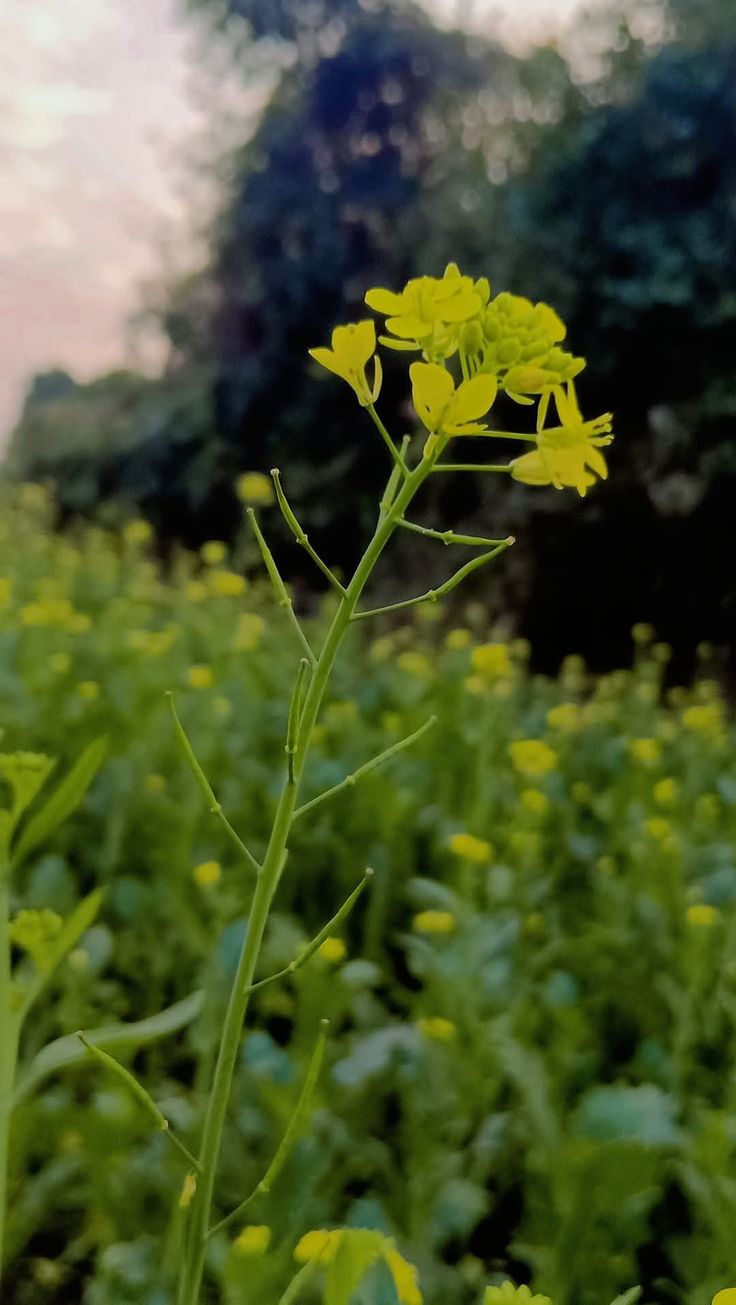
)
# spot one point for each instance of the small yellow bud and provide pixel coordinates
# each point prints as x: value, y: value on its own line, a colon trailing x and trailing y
x: 470, y: 848
x: 433, y: 922
x: 333, y: 950
x: 701, y: 914
x: 207, y: 874
x: 253, y: 1241
x: 200, y: 677
x: 437, y: 1028
x: 254, y: 488
x: 187, y: 1192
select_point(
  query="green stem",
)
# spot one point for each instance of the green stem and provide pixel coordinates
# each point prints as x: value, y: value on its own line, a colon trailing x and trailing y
x: 351, y: 780
x: 433, y: 595
x: 8, y: 1044
x: 472, y: 466
x: 267, y: 883
x: 450, y: 536
x: 300, y: 535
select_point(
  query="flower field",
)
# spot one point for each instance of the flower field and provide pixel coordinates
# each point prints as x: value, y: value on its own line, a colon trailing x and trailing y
x: 530, y: 1070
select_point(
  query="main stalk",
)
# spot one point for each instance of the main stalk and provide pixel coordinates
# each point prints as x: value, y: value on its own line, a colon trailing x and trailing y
x: 266, y: 885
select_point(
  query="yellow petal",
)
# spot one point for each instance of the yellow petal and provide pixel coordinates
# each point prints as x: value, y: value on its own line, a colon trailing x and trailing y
x: 460, y: 307
x: 532, y: 469
x: 527, y: 380
x: 326, y: 358
x: 409, y: 328
x: 472, y: 399
x: 385, y: 301
x: 355, y: 342
x: 432, y: 388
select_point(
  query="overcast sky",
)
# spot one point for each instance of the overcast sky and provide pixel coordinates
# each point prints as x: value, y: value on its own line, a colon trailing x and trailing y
x: 96, y: 109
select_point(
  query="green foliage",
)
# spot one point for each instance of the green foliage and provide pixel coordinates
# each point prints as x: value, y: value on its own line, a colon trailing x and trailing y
x: 530, y: 1068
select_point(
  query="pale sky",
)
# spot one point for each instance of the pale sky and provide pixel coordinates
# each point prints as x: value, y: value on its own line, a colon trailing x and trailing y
x: 97, y: 114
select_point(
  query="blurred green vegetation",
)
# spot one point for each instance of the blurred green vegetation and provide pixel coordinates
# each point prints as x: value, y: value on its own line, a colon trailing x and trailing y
x: 604, y: 182
x: 531, y: 1066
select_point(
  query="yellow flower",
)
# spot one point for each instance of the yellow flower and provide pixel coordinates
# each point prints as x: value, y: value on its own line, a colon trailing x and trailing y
x: 227, y: 584
x: 564, y: 717
x: 249, y: 631
x: 189, y: 1187
x: 534, y: 801
x: 705, y: 718
x: 321, y: 1245
x: 213, y: 552
x: 470, y: 848
x: 646, y: 750
x: 207, y: 874
x: 89, y: 690
x: 459, y: 638
x: 200, y: 677
x: 195, y: 591
x: 59, y: 663
x: 416, y: 664
x: 508, y: 1294
x: 727, y: 1296
x: 353, y: 346
x: 492, y: 660
x: 333, y: 950
x: 155, y: 783
x: 254, y: 1240
x: 405, y: 1277
x: 702, y: 914
x: 445, y: 410
x: 138, y: 531
x: 433, y: 922
x: 665, y: 792
x: 567, y: 455
x: 532, y: 757
x: 254, y: 487
x: 222, y: 707
x: 428, y: 312
x: 659, y: 829
x: 35, y: 932
x: 437, y: 1028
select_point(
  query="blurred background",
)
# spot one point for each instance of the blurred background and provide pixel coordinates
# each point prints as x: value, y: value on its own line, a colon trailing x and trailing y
x: 196, y: 193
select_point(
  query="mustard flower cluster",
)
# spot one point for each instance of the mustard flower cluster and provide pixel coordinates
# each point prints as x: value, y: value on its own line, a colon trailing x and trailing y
x: 503, y: 343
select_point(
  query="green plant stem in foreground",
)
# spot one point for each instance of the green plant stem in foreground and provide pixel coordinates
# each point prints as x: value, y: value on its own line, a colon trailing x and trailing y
x: 8, y: 1043
x: 267, y: 883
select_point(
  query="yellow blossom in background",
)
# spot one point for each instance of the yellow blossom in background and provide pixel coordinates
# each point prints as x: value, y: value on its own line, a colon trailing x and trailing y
x: 207, y: 874
x: 701, y: 914
x: 138, y: 531
x: 727, y: 1296
x: 565, y: 717
x: 249, y: 631
x: 200, y: 677
x: 213, y: 552
x: 648, y: 751
x: 458, y: 638
x: 433, y: 922
x: 189, y: 1187
x: 382, y: 648
x: 659, y: 829
x: 437, y: 1028
x: 470, y: 848
x: 195, y: 591
x: 254, y: 1240
x: 222, y: 707
x: 333, y: 950
x: 703, y: 718
x: 508, y: 1294
x: 665, y: 792
x: 320, y: 1245
x: 491, y: 660
x: 255, y: 489
x: 642, y: 632
x: 353, y: 346
x: 532, y: 757
x: 476, y: 684
x: 59, y: 663
x: 226, y: 584
x: 405, y: 1277
x: 416, y: 664
x: 155, y: 783
x: 535, y: 801
x: 35, y: 932
x: 89, y: 690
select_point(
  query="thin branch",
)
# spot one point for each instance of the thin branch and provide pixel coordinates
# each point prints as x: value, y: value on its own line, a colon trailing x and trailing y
x: 290, y: 1136
x: 300, y: 535
x: 316, y: 942
x: 505, y: 435
x: 282, y: 596
x: 365, y: 769
x: 138, y: 1091
x: 295, y: 711
x: 472, y: 466
x: 212, y: 803
x: 449, y: 536
x: 432, y: 595
x: 387, y: 439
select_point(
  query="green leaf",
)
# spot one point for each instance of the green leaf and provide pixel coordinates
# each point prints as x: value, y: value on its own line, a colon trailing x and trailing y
x: 68, y: 1051
x: 628, y: 1297
x: 64, y: 799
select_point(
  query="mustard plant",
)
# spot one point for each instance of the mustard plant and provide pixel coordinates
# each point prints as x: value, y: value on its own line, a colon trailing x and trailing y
x: 468, y: 348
